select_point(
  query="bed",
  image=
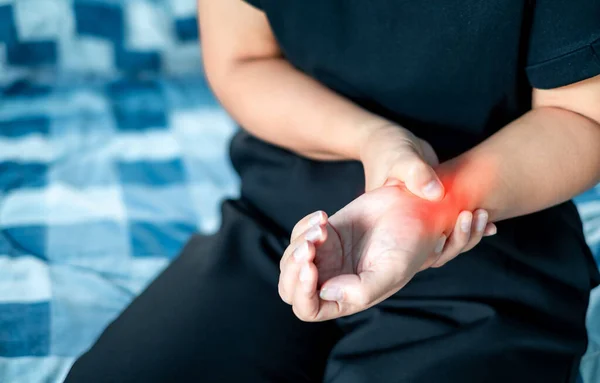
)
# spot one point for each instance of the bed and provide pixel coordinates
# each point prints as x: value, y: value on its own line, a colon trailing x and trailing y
x: 113, y: 152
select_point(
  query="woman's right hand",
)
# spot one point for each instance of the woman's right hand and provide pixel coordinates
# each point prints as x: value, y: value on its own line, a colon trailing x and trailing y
x: 392, y: 155
x: 392, y: 152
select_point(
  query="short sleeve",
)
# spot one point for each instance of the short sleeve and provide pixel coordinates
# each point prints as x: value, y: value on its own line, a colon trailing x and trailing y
x: 564, y: 45
x: 255, y: 3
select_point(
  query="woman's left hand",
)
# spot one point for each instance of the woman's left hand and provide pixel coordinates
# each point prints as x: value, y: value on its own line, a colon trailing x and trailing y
x: 367, y: 251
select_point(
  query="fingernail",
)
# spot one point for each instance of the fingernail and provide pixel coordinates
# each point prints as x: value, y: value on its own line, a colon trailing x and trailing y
x: 315, y: 219
x: 465, y: 223
x: 482, y: 219
x: 314, y: 234
x: 433, y: 190
x: 305, y: 273
x: 301, y: 252
x: 493, y: 231
x: 331, y: 294
x: 440, y: 245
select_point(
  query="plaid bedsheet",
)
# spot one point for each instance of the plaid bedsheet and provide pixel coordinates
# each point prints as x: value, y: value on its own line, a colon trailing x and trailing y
x: 589, y: 208
x: 100, y: 186
x: 109, y: 167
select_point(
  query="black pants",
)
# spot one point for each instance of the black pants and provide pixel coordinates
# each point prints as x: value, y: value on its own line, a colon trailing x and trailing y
x: 509, y: 311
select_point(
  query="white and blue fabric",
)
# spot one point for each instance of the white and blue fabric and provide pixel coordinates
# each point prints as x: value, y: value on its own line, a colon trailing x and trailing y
x: 101, y: 184
x: 588, y: 205
x: 101, y: 37
x: 113, y: 152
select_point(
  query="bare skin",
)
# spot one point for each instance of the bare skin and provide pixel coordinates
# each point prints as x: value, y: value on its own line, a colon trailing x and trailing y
x: 546, y: 157
x: 361, y: 255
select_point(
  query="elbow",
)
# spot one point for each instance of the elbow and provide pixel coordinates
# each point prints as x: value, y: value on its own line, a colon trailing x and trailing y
x: 223, y: 74
x: 573, y: 113
x: 582, y: 99
x: 216, y: 72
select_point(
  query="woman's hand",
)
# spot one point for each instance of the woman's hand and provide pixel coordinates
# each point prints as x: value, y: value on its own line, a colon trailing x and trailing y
x: 392, y: 155
x: 468, y: 230
x: 392, y: 152
x: 363, y: 254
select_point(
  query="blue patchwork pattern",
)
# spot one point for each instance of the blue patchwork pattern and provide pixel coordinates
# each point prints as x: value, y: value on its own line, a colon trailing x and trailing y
x: 26, y: 241
x: 147, y: 238
x: 187, y: 29
x: 138, y: 104
x: 25, y: 126
x: 101, y: 184
x: 151, y: 173
x: 8, y: 33
x: 136, y: 61
x: 589, y: 207
x: 24, y: 89
x: 98, y: 36
x: 16, y: 175
x: 113, y: 152
x: 26, y: 54
x: 25, y: 329
x: 111, y: 27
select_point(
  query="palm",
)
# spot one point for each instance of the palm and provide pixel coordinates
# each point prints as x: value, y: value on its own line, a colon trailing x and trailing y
x: 386, y: 229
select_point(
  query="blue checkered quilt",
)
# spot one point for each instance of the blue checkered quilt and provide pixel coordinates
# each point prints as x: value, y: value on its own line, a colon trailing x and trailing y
x: 112, y: 153
x: 100, y: 186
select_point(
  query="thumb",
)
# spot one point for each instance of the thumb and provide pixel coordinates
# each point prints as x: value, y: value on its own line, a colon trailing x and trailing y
x: 419, y: 177
x: 359, y: 292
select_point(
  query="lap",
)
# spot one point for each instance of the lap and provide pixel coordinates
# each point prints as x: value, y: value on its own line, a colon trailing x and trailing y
x: 452, y: 327
x: 212, y: 316
x: 513, y: 309
x: 215, y: 315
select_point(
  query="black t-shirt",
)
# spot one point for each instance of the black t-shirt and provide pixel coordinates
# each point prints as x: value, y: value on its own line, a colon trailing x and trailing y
x: 452, y: 71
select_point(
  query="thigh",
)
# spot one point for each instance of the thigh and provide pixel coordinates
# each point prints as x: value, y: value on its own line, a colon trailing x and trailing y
x: 509, y: 311
x: 213, y: 316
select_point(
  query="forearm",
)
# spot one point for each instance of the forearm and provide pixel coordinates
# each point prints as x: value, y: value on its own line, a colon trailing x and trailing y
x: 545, y: 158
x: 284, y: 107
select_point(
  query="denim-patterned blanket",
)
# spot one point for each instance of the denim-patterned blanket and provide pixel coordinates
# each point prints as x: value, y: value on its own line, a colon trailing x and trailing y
x: 112, y: 153
x: 100, y: 186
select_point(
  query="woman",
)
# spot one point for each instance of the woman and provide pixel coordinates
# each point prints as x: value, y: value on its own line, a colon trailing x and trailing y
x: 507, y: 93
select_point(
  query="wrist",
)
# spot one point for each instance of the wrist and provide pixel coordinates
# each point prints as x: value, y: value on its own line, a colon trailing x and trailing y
x: 447, y: 211
x: 469, y: 180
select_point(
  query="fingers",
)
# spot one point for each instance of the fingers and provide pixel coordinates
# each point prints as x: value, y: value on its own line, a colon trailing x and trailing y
x: 312, y: 234
x: 419, y: 177
x: 480, y: 221
x: 300, y: 252
x: 467, y: 233
x: 306, y: 300
x: 290, y: 271
x: 350, y: 293
x: 461, y: 234
x: 313, y: 219
x: 490, y: 230
x: 437, y: 253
